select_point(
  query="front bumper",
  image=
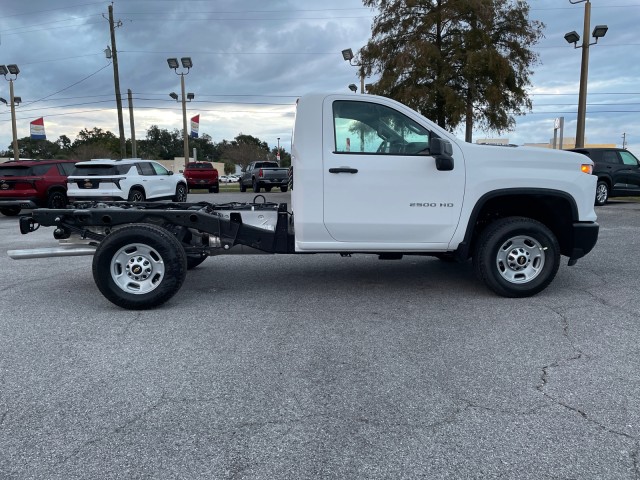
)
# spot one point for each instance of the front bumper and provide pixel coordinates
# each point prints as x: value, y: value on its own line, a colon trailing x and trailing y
x: 585, y: 236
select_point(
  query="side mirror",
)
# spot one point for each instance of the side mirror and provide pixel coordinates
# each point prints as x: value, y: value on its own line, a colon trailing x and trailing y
x: 442, y: 151
x: 170, y: 172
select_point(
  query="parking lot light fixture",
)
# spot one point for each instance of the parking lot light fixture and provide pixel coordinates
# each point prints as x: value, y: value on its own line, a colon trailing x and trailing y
x: 347, y: 54
x: 188, y: 64
x: 573, y: 37
x: 353, y: 88
x: 174, y: 95
x: 12, y: 72
x: 190, y: 96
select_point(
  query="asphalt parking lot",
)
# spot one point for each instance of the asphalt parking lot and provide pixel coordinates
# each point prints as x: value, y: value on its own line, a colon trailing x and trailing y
x: 316, y: 366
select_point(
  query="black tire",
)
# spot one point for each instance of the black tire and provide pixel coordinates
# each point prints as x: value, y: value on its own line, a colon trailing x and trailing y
x: 181, y: 193
x: 214, y: 189
x: 602, y: 193
x: 136, y: 195
x: 57, y: 199
x: 267, y: 189
x: 284, y: 189
x: 242, y: 187
x: 154, y: 251
x: 256, y: 187
x: 193, y: 262
x: 516, y: 257
x: 10, y: 211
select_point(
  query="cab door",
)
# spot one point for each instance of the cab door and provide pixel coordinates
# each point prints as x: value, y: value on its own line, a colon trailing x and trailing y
x: 380, y: 182
x: 631, y: 170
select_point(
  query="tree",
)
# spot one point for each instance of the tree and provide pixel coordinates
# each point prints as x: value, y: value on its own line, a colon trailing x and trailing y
x: 454, y: 60
x: 35, y: 149
x: 96, y: 143
x: 160, y: 144
x: 245, y: 149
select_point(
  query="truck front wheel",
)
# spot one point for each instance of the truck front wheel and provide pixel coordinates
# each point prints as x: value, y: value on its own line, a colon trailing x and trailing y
x: 243, y: 188
x: 517, y: 257
x: 139, y: 266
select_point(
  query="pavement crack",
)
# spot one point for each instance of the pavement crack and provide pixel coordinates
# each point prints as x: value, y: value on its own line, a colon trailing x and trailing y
x: 127, y: 328
x: 634, y: 454
x: 118, y: 429
x: 3, y: 416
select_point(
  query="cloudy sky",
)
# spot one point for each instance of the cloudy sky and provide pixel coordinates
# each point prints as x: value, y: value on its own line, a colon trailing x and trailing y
x: 252, y: 58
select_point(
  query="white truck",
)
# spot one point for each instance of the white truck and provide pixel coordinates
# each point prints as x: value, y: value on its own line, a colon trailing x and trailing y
x: 372, y: 177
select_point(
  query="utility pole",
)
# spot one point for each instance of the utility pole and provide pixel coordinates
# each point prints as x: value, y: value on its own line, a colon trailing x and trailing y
x: 116, y: 81
x: 133, y: 128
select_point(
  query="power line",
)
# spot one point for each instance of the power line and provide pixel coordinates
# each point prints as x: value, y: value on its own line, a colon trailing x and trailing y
x: 52, y: 9
x: 72, y: 85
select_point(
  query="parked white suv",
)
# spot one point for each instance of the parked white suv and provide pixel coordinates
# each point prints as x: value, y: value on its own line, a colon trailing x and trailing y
x: 132, y: 179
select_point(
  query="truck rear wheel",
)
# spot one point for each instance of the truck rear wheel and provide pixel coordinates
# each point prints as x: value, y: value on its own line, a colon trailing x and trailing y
x: 139, y: 266
x: 256, y: 186
x: 516, y: 257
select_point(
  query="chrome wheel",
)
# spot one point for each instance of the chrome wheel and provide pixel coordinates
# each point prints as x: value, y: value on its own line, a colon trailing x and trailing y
x: 602, y: 193
x: 181, y: 193
x: 520, y: 259
x: 137, y: 268
x: 136, y: 196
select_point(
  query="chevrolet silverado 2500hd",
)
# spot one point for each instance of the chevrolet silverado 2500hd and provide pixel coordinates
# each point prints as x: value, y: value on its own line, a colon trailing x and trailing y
x: 513, y: 211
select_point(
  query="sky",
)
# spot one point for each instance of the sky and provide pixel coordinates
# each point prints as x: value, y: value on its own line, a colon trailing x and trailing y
x: 252, y: 59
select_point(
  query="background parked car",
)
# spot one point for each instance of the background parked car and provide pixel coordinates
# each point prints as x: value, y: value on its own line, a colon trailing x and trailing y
x: 33, y: 183
x: 202, y: 175
x: 618, y: 172
x: 134, y: 180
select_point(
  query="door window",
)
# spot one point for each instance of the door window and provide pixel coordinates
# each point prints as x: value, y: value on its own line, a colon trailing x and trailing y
x: 160, y: 170
x: 362, y: 127
x: 146, y: 169
x: 610, y: 156
x: 629, y: 159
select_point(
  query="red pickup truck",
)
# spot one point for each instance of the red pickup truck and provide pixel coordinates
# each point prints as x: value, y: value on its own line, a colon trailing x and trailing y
x: 202, y: 175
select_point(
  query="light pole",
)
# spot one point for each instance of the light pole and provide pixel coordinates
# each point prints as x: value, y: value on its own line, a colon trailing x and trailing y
x: 573, y: 37
x: 113, y: 53
x: 347, y: 54
x: 278, y: 151
x: 186, y: 63
x: 14, y: 71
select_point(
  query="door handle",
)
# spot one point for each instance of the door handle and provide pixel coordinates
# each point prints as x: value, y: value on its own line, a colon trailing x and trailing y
x: 343, y: 170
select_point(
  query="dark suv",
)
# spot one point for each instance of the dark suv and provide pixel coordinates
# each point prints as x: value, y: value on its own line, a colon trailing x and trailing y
x: 618, y: 172
x: 33, y: 183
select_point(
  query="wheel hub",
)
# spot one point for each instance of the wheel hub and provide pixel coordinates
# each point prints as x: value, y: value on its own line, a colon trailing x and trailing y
x: 520, y: 259
x: 137, y: 268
